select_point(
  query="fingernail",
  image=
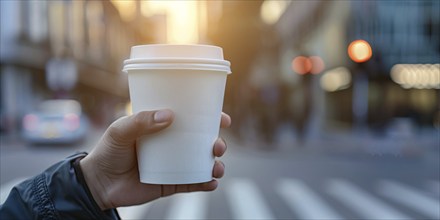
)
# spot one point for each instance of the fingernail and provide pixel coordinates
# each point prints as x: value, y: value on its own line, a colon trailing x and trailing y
x: 162, y: 116
x: 224, y: 142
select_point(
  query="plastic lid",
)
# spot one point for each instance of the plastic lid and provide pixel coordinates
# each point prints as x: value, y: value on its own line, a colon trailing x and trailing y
x: 172, y: 56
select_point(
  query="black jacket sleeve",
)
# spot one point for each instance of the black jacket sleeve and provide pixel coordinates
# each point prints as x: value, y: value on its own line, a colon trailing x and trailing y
x: 57, y: 193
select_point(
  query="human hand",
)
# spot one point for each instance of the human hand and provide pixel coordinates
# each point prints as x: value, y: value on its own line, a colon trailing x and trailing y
x: 111, y: 169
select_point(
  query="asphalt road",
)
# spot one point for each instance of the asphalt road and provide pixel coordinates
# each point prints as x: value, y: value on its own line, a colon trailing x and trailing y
x: 264, y: 182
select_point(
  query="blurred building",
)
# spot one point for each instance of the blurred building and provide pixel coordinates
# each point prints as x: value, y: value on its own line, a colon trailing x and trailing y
x: 75, y: 49
x: 238, y: 30
x: 400, y: 32
x: 86, y: 41
x: 262, y: 38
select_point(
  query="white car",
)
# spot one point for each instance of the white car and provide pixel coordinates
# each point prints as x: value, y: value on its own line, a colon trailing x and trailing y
x: 55, y: 122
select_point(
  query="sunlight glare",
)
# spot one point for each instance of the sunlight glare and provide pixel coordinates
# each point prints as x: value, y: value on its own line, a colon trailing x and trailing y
x: 182, y: 18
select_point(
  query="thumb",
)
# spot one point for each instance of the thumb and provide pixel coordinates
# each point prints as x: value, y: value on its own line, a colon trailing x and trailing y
x: 128, y: 129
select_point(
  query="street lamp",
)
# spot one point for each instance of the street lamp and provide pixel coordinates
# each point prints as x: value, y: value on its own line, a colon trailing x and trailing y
x: 360, y: 52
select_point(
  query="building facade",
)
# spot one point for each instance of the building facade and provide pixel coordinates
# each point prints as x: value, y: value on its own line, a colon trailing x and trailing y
x: 89, y: 34
x: 399, y: 32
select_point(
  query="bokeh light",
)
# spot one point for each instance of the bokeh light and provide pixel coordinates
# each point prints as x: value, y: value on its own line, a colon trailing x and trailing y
x: 302, y: 65
x: 418, y: 76
x: 336, y: 79
x: 360, y: 51
x: 272, y: 10
x: 317, y: 64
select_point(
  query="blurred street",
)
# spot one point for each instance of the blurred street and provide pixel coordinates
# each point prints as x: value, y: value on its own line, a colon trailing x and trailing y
x: 335, y: 104
x: 327, y: 178
x: 21, y: 160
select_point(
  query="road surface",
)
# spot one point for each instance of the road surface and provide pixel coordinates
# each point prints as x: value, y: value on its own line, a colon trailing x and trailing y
x: 286, y: 182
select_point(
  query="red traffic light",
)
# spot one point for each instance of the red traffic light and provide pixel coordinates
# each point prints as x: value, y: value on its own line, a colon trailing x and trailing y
x: 304, y: 65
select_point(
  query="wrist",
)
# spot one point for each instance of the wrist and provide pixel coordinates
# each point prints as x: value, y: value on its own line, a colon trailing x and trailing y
x: 93, y: 182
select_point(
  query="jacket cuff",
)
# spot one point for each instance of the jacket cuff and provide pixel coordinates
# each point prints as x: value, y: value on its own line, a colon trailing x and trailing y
x: 70, y: 194
x: 97, y: 212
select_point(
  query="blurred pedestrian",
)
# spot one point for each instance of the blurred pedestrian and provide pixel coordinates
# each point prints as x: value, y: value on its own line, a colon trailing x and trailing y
x: 269, y: 98
x: 302, y: 111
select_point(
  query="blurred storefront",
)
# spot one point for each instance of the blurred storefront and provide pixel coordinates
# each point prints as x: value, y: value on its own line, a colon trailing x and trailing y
x: 399, y: 32
x: 75, y: 49
x: 86, y: 42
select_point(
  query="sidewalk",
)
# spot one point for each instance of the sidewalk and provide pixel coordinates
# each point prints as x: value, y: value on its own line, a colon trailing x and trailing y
x: 340, y: 141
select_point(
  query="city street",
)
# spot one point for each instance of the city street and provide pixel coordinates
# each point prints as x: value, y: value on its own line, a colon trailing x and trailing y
x: 283, y: 181
x: 335, y: 105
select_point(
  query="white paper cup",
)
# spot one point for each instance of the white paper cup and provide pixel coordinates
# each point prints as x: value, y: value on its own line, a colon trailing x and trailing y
x: 190, y: 80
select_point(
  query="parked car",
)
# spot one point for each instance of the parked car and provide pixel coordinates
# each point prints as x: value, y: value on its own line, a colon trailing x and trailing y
x: 55, y: 122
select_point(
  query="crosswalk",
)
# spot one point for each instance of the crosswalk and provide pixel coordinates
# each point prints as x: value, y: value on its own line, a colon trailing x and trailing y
x: 368, y: 206
x: 410, y: 197
x: 304, y: 201
x: 334, y: 198
x: 188, y: 206
x: 246, y: 200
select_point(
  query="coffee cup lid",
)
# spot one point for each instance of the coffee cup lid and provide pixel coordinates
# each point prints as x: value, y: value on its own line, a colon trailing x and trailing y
x: 172, y: 56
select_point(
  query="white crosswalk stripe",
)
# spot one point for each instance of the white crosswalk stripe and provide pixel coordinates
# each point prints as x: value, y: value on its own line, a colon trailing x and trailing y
x: 246, y: 201
x: 188, y: 206
x: 301, y: 199
x: 362, y: 202
x: 134, y: 212
x: 410, y: 197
